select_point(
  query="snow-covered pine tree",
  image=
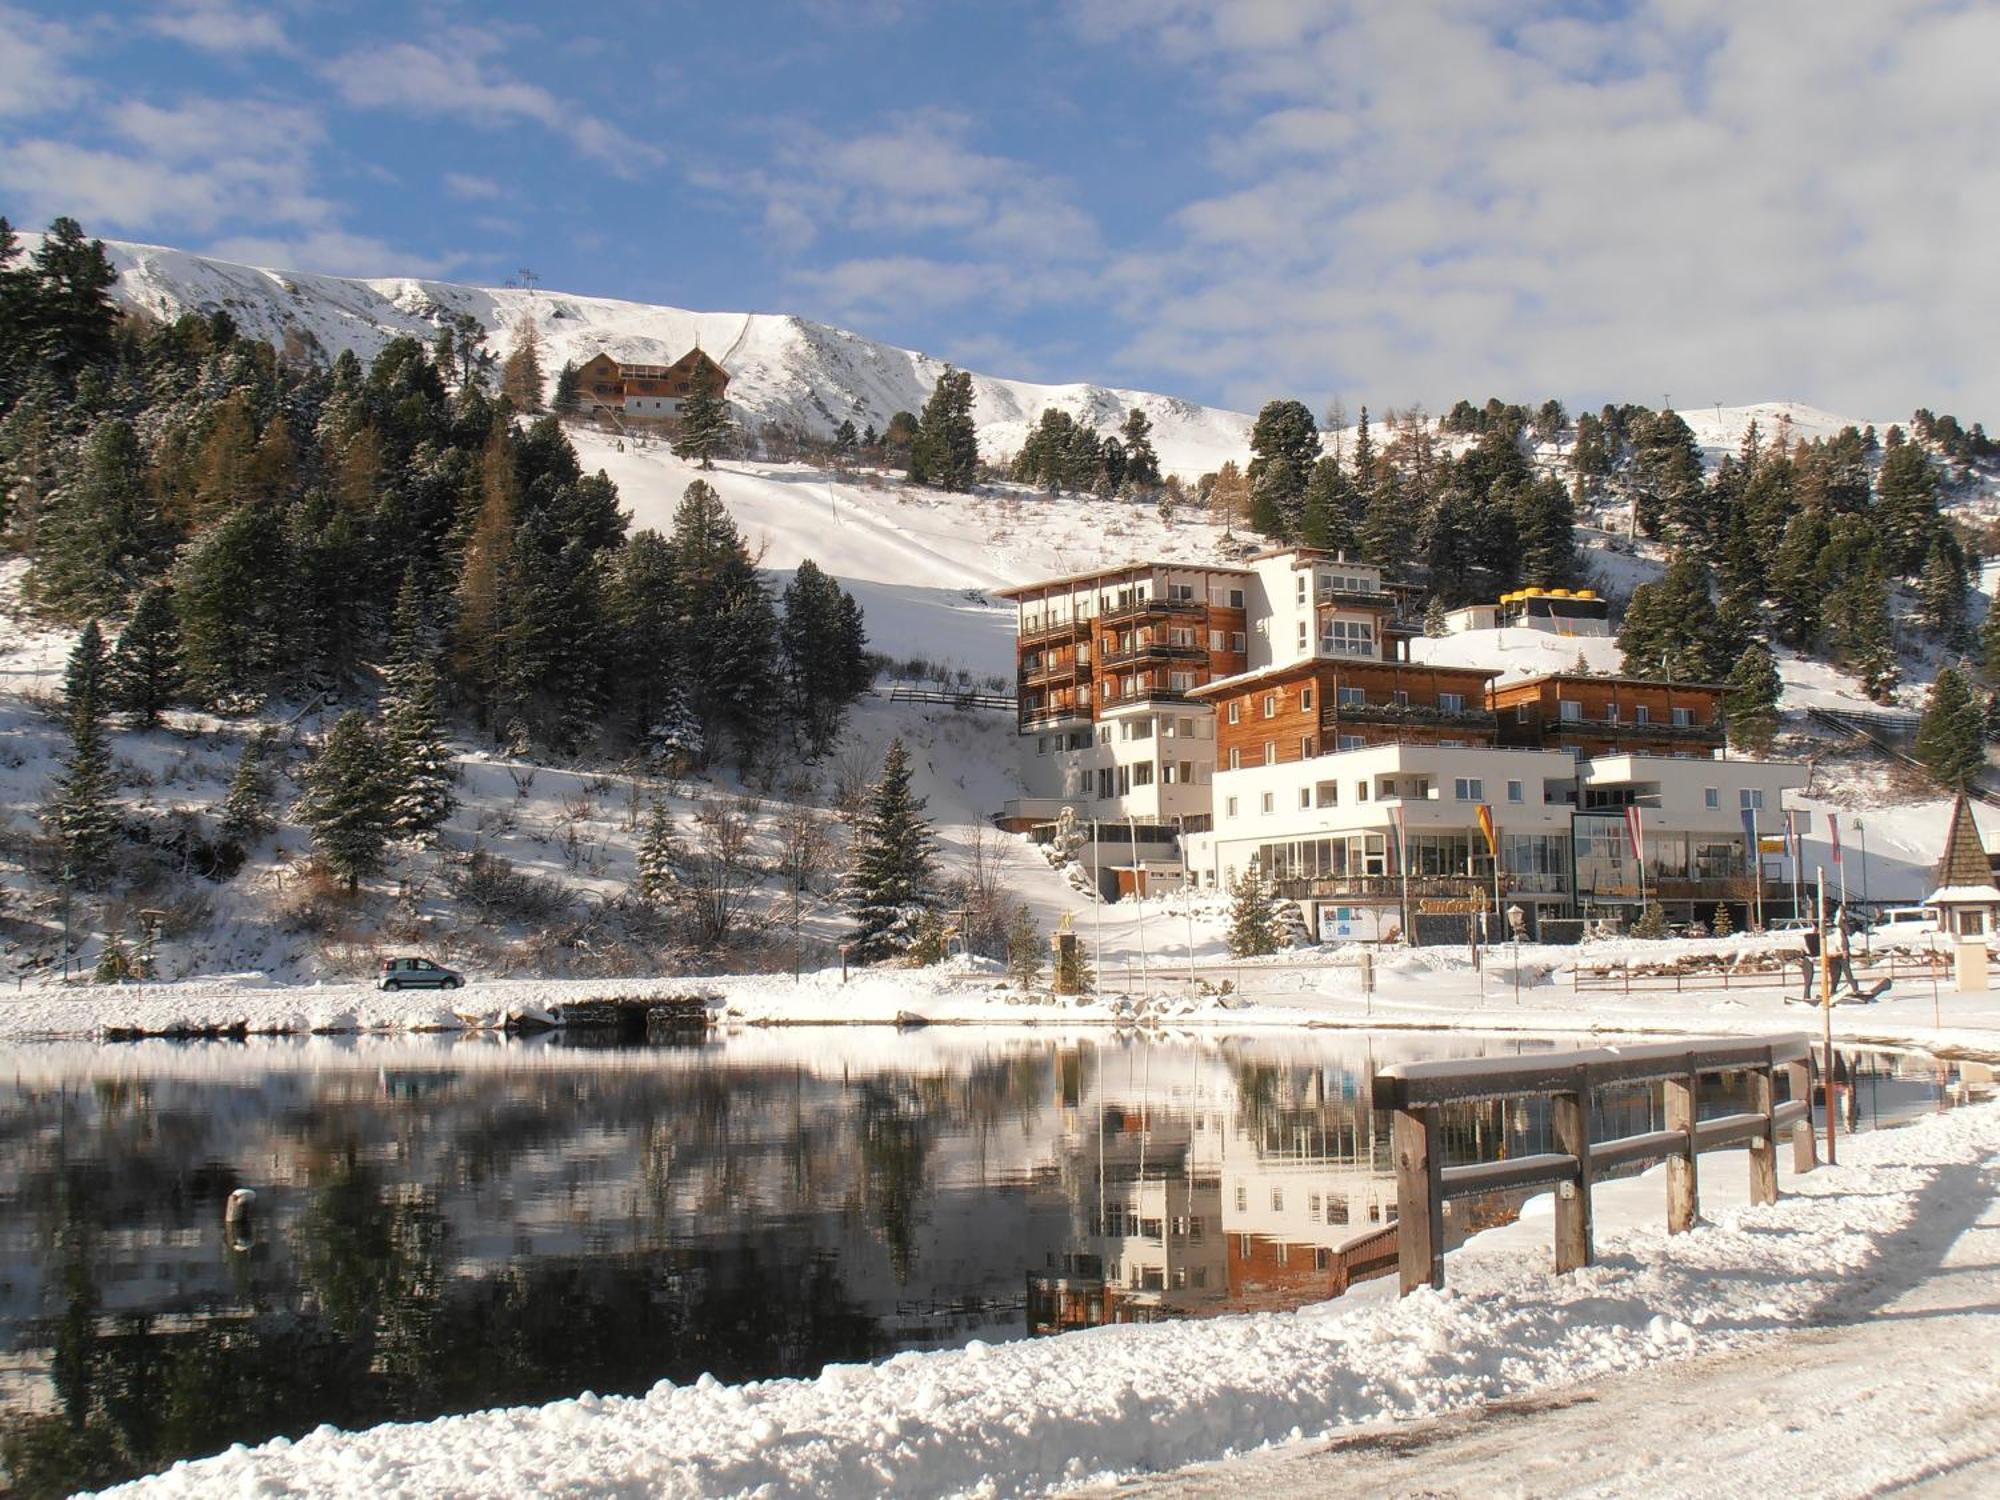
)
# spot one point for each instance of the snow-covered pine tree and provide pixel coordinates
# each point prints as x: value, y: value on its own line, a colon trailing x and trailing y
x: 657, y: 872
x: 1941, y: 592
x: 891, y: 876
x: 346, y: 802
x: 80, y: 813
x: 1253, y: 915
x: 1723, y: 925
x: 417, y: 758
x: 674, y: 741
x: 1750, y: 706
x: 1652, y: 922
x: 1951, y: 739
x: 1142, y: 464
x: 146, y: 667
x: 1435, y: 624
x: 704, y: 422
x: 245, y: 811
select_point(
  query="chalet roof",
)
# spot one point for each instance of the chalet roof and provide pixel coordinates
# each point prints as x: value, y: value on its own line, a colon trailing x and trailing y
x: 1638, y: 682
x: 1965, y: 867
x: 1314, y: 665
x: 1123, y: 570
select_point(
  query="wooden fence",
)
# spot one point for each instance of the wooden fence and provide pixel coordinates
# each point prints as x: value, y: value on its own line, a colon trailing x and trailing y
x: 1416, y: 1094
x: 1894, y: 966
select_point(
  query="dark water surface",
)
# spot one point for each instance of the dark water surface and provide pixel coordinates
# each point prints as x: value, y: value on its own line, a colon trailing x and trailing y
x: 443, y: 1226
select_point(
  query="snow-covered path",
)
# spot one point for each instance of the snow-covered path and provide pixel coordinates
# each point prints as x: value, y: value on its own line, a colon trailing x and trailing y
x: 1892, y: 1391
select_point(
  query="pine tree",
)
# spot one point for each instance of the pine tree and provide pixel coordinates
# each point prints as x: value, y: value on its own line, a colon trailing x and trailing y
x: 1751, y: 703
x: 1284, y: 447
x: 674, y: 741
x: 416, y: 758
x: 482, y: 574
x: 845, y: 438
x: 1906, y: 508
x: 234, y: 598
x: 346, y: 801
x: 521, y: 375
x: 1142, y: 464
x: 659, y: 856
x: 1024, y: 948
x: 81, y: 815
x: 1989, y: 645
x: 245, y: 812
x: 66, y: 318
x: 1545, y: 522
x: 1941, y: 591
x: 1951, y: 738
x: 1672, y: 632
x: 568, y: 400
x: 89, y: 530
x: 724, y: 623
x: 1652, y: 922
x: 1722, y: 925
x: 1330, y: 504
x: 146, y: 668
x: 1253, y: 910
x: 891, y: 881
x: 1436, y: 625
x: 1386, y: 532
x: 704, y: 421
x: 818, y: 652
x: 1857, y: 625
x: 944, y: 449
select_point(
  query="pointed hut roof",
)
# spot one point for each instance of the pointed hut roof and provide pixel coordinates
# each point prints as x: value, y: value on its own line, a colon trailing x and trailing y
x: 1965, y: 874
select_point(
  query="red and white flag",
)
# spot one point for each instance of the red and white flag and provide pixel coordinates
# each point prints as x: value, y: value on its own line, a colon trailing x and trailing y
x: 1402, y: 843
x: 1635, y: 830
x: 1833, y: 834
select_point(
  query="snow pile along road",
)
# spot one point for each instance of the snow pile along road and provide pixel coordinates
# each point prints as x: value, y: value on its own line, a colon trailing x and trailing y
x: 1034, y: 1417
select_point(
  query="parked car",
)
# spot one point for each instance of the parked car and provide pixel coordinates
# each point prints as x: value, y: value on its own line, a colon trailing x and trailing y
x: 1904, y: 923
x: 418, y: 974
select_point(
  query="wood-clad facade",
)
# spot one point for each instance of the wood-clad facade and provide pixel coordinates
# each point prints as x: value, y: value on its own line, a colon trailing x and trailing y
x: 1593, y: 716
x: 646, y: 390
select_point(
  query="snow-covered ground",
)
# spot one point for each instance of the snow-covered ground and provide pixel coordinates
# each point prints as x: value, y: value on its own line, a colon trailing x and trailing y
x: 1842, y: 1245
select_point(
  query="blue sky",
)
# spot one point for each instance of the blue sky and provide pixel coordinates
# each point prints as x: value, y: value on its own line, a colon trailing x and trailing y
x: 1391, y: 201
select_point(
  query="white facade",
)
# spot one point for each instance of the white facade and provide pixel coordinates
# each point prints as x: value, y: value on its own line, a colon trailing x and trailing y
x: 1303, y: 606
x: 653, y: 406
x: 1152, y: 762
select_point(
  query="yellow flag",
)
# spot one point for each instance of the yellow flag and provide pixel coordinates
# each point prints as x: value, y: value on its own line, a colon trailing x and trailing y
x: 1486, y: 827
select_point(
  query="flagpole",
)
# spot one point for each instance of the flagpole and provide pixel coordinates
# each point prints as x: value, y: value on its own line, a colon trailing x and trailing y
x: 1794, y: 845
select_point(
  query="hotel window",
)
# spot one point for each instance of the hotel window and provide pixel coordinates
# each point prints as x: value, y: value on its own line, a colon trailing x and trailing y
x: 1611, y: 713
x: 1348, y: 637
x: 1351, y: 742
x: 1749, y: 798
x: 1569, y: 711
x: 1270, y: 705
x: 1711, y: 797
x: 1305, y: 798
x: 1683, y: 718
x: 1242, y: 1198
x: 1142, y: 773
x: 1641, y: 714
x: 1402, y: 698
x: 1235, y: 711
x: 1180, y: 591
x: 1306, y: 750
x: 1232, y: 807
x: 1328, y: 793
x: 1522, y: 714
x: 1515, y: 792
x: 1303, y: 585
x: 1352, y: 697
x: 1238, y: 642
x: 1451, y: 703
x: 1236, y: 598
x: 1270, y: 752
x: 1235, y: 760
x: 1215, y: 640
x: 1269, y: 803
x: 1360, y: 791
x: 1302, y: 635
x: 1469, y: 789
x: 1305, y: 698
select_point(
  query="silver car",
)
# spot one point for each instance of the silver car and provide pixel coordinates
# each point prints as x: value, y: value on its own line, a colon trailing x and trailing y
x: 418, y: 974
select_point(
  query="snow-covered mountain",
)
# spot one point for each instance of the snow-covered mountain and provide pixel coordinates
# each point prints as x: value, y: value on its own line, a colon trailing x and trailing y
x: 782, y: 369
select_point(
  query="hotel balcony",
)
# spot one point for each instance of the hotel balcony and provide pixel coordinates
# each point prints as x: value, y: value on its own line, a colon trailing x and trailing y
x: 1156, y: 650
x: 1047, y: 631
x: 1624, y: 733
x: 1410, y: 715
x: 1147, y: 608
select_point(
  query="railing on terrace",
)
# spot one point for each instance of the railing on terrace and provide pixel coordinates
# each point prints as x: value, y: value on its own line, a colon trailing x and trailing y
x: 1364, y: 598
x: 1386, y: 887
x: 1141, y: 695
x: 1469, y: 719
x: 1416, y: 1094
x: 1156, y: 649
x: 1779, y: 969
x: 1600, y: 729
x: 1054, y: 630
x: 1139, y: 608
x: 1064, y: 671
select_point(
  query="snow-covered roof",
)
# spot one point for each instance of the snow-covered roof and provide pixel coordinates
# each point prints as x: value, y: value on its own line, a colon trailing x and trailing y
x: 1964, y: 895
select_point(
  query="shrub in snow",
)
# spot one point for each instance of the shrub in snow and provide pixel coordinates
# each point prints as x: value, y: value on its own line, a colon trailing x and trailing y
x: 1652, y: 922
x: 1722, y: 926
x: 1024, y: 948
x: 1253, y: 915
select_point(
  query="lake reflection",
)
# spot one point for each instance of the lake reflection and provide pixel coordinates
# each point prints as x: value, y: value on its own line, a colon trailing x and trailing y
x: 444, y: 1226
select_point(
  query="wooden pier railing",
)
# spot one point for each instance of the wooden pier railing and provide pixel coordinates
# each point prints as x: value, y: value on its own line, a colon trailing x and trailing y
x: 1416, y: 1094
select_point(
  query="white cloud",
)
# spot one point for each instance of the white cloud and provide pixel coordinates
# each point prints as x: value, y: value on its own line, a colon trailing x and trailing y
x: 1707, y: 199
x: 34, y: 64
x: 418, y: 81
x: 131, y: 191
x: 468, y: 188
x: 221, y: 26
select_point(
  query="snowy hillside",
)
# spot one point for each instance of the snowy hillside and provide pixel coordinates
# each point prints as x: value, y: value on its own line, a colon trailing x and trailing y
x: 783, y: 370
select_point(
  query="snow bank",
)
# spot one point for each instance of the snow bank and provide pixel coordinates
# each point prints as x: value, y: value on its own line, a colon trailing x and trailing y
x: 1033, y: 1417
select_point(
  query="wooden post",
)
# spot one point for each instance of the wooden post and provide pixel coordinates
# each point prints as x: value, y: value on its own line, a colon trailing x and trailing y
x: 1764, y: 1152
x: 1683, y: 1168
x: 1805, y: 1151
x: 1571, y: 1120
x: 1419, y: 1199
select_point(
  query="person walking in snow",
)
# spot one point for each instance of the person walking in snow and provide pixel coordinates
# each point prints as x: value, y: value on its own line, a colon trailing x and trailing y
x: 1810, y: 939
x: 1840, y: 963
